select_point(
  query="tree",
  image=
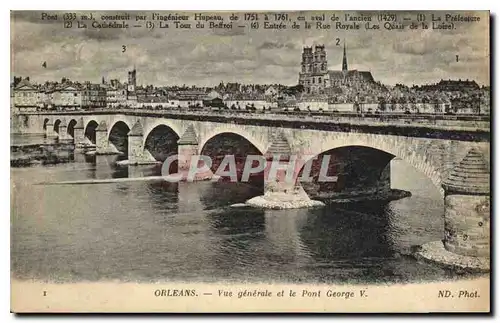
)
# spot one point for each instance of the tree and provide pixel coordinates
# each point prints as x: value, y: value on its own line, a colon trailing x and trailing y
x: 294, y: 90
x: 382, y: 105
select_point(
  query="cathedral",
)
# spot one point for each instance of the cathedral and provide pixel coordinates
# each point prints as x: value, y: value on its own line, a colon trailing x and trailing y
x: 317, y: 79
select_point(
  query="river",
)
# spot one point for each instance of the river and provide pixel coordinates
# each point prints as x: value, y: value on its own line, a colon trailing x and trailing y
x: 158, y: 231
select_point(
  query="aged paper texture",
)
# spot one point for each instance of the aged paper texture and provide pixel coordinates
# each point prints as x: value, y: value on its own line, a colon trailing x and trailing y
x: 305, y: 161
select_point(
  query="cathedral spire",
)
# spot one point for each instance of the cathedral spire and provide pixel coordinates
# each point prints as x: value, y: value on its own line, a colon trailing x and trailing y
x: 344, y: 60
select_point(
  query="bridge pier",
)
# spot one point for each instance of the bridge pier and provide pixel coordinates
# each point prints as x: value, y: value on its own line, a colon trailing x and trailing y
x: 467, y: 207
x: 102, y: 144
x: 187, y: 147
x: 137, y: 155
x: 282, y: 190
x: 79, y: 135
x: 63, y: 132
x: 466, y: 242
x: 49, y: 130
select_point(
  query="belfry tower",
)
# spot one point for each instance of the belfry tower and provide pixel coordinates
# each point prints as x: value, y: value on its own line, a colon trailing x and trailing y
x: 344, y: 61
x: 131, y: 87
x: 132, y: 80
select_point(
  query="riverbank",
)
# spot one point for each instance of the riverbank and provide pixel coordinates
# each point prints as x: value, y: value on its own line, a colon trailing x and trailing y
x: 33, y: 154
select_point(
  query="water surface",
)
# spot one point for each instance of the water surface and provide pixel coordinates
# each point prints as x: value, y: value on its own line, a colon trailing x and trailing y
x: 156, y: 231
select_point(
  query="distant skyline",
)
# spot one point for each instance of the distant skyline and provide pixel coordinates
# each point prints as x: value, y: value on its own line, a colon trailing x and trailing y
x: 166, y: 57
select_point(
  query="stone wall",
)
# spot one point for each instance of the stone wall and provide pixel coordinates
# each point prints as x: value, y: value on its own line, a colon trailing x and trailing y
x: 467, y: 224
x: 313, y: 105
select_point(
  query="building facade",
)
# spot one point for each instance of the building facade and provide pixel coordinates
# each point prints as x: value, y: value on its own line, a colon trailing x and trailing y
x: 317, y: 79
x: 93, y: 96
x: 67, y: 96
x: 25, y: 96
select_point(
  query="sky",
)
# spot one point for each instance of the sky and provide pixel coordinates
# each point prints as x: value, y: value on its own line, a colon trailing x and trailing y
x: 206, y: 57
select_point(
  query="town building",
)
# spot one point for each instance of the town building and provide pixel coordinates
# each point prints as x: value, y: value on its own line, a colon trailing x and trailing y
x: 121, y: 95
x: 67, y: 97
x: 25, y: 96
x: 451, y: 86
x: 93, y: 96
x: 45, y: 97
x: 116, y: 95
x: 111, y: 93
x: 189, y: 98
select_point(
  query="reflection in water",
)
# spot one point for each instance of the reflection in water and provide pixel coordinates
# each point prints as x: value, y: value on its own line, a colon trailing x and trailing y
x: 105, y: 167
x: 236, y: 239
x: 283, y: 234
x: 160, y: 231
x: 348, y: 233
x: 162, y: 195
x: 223, y: 193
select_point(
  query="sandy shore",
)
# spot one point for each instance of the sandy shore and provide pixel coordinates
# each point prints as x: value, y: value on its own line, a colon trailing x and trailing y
x: 281, y: 201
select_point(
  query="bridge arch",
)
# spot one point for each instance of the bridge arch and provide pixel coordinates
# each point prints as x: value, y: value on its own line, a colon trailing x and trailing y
x: 56, y: 125
x: 261, y: 145
x: 150, y: 126
x: 118, y: 136
x: 233, y: 144
x: 405, y: 152
x: 71, y: 127
x: 45, y: 122
x: 120, y: 122
x: 161, y: 141
x: 90, y: 129
x: 357, y: 171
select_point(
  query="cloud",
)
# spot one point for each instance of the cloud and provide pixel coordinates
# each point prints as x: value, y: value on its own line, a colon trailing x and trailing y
x: 235, y: 31
x: 102, y: 33
x: 276, y: 45
x: 208, y: 56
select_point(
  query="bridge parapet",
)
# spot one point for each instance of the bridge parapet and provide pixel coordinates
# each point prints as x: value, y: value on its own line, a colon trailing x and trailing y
x: 413, y: 125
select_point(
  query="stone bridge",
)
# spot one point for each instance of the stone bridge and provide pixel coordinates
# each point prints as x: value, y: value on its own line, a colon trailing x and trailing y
x: 455, y: 158
x: 431, y: 150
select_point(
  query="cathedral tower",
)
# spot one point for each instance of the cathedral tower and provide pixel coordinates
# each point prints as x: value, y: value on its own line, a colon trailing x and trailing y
x: 344, y: 61
x: 306, y: 68
x: 307, y: 60
x: 320, y: 61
